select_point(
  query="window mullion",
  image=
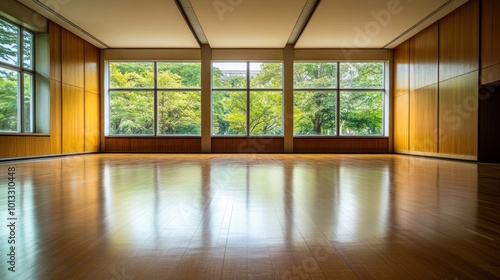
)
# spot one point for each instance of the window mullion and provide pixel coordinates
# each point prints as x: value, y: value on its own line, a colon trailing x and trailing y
x: 337, y: 113
x: 155, y: 101
x: 248, y: 98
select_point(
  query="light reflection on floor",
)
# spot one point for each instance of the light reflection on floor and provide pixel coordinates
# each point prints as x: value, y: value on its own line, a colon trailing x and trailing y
x: 247, y: 216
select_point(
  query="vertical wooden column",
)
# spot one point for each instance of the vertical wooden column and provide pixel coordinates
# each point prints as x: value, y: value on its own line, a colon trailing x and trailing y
x: 55, y: 88
x: 206, y: 100
x: 288, y: 56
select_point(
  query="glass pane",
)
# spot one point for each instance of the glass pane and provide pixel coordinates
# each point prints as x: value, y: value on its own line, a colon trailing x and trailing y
x: 27, y: 50
x: 131, y: 112
x: 9, y: 100
x: 315, y: 75
x: 314, y: 113
x: 28, y: 103
x: 361, y: 113
x: 9, y: 43
x: 179, y: 113
x: 266, y: 113
x: 266, y: 75
x: 362, y: 75
x: 131, y: 74
x: 228, y: 75
x: 229, y: 113
x: 179, y: 75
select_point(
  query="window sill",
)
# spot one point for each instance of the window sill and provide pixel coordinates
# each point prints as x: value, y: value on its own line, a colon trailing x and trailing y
x: 18, y: 134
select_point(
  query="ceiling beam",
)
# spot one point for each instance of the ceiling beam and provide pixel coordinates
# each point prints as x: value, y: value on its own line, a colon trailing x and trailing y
x: 189, y: 15
x: 303, y: 20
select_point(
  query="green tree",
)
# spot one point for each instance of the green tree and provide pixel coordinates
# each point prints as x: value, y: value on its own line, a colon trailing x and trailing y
x: 9, y: 85
x: 9, y: 43
x: 314, y: 111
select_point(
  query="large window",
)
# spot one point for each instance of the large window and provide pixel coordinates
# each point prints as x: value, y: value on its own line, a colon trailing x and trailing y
x: 154, y: 98
x: 16, y: 78
x: 339, y: 99
x: 247, y: 98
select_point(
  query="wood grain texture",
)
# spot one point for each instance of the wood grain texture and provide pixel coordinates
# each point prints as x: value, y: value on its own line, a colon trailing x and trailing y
x: 73, y: 119
x: 490, y: 48
x: 117, y: 144
x: 178, y: 145
x: 341, y: 145
x: 24, y: 146
x: 247, y: 145
x: 402, y: 69
x: 490, y: 75
x: 424, y: 119
x: 426, y: 51
x: 234, y: 216
x: 153, y: 144
x: 458, y: 115
x: 143, y: 145
x: 55, y: 117
x: 459, y: 41
x: 92, y: 122
x: 411, y: 46
x: 401, y: 123
x: 55, y: 51
x: 91, y: 68
x: 73, y: 62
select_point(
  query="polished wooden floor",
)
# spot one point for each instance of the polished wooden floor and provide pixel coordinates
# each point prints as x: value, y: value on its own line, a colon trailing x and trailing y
x: 123, y: 216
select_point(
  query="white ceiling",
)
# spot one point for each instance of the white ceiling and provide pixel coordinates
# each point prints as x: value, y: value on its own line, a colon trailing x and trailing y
x: 244, y: 23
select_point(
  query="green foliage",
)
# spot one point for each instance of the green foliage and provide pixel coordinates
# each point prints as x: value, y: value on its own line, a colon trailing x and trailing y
x: 314, y: 112
x: 361, y: 113
x: 132, y: 112
x: 9, y: 85
x: 9, y: 43
x: 362, y: 75
x: 179, y: 111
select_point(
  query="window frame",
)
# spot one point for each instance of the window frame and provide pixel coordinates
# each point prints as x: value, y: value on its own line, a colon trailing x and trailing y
x: 338, y: 90
x: 247, y: 90
x: 22, y: 71
x: 156, y: 91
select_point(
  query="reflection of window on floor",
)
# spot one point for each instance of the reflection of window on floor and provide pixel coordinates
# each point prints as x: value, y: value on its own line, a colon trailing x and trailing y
x: 154, y: 98
x: 247, y: 98
x: 16, y: 78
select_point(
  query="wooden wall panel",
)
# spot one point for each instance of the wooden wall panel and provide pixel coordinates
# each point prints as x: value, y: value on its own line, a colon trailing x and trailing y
x: 55, y: 51
x: 341, y: 145
x: 72, y: 59
x: 411, y: 46
x: 92, y: 122
x: 459, y: 41
x: 458, y: 115
x: 490, y: 49
x: 152, y: 144
x: 424, y: 120
x: 490, y: 74
x: 426, y: 55
x: 401, y: 123
x: 55, y: 117
x: 402, y: 69
x: 143, y: 145
x: 91, y: 68
x: 178, y: 145
x: 117, y: 145
x: 247, y: 145
x: 24, y: 146
x: 73, y: 119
